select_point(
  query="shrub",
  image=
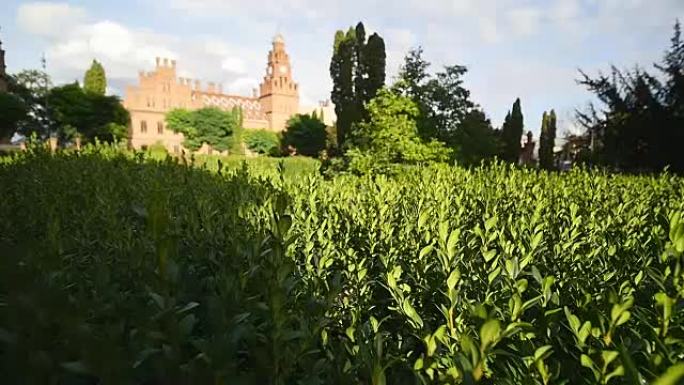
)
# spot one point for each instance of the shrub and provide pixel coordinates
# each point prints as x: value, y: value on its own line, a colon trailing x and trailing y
x: 262, y: 141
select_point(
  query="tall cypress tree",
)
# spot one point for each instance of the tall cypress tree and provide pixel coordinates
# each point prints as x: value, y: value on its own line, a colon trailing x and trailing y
x: 360, y: 71
x: 375, y: 59
x: 546, y: 143
x: 357, y: 69
x: 95, y: 80
x: 512, y: 133
x: 341, y: 71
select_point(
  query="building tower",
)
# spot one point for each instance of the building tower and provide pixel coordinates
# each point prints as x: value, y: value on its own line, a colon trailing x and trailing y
x: 279, y: 94
x: 3, y: 75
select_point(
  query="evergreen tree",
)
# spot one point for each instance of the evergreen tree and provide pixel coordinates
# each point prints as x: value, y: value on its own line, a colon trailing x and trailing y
x: 375, y: 59
x: 512, y: 133
x: 547, y: 140
x: 341, y: 72
x: 640, y: 126
x: 95, y: 80
x: 360, y: 71
x: 357, y: 69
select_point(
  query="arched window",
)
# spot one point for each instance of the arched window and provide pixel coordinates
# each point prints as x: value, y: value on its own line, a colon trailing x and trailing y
x: 143, y: 126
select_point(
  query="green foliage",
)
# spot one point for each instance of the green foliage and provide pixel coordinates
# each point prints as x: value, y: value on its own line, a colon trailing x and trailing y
x: 90, y: 115
x: 639, y: 125
x: 121, y: 269
x: 219, y: 129
x: 95, y: 80
x: 306, y: 134
x: 32, y: 87
x: 475, y: 140
x: 262, y: 141
x: 13, y: 111
x: 511, y: 134
x: 391, y: 136
x: 547, y: 140
x: 446, y: 112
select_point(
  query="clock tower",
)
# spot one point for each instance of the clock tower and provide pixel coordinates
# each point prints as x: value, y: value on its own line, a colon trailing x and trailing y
x: 279, y: 94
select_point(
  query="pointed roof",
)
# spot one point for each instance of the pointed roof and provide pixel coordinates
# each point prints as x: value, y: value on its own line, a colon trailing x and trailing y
x: 278, y: 38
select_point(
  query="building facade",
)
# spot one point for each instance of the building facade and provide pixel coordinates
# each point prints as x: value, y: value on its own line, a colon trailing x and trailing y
x: 160, y: 91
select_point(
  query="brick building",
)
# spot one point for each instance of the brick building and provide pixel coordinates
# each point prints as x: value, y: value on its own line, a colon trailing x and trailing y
x: 160, y: 91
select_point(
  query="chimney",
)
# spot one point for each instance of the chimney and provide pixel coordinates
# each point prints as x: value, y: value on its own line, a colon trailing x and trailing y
x: 197, y: 85
x: 166, y: 62
x: 173, y: 63
x: 255, y: 93
x: 158, y: 59
x: 211, y: 88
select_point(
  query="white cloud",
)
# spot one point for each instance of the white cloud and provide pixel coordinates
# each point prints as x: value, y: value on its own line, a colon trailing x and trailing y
x: 48, y: 19
x: 73, y: 42
x: 243, y: 86
x: 524, y: 21
x: 526, y: 48
x: 234, y: 65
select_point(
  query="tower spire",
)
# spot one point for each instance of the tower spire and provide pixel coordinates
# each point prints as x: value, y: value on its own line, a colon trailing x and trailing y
x: 279, y: 93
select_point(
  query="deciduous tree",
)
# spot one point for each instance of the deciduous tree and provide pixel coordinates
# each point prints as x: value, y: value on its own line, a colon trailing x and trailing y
x: 210, y: 125
x: 306, y: 134
x: 89, y: 115
x: 12, y: 112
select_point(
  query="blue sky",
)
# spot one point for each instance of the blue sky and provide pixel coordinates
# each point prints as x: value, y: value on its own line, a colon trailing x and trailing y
x: 512, y: 48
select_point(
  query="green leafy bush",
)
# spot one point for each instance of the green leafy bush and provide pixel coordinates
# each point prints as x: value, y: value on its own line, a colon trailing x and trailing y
x: 120, y: 270
x: 262, y: 141
x: 390, y: 136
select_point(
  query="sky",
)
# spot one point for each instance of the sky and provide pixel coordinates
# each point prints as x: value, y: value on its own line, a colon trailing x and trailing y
x: 530, y: 49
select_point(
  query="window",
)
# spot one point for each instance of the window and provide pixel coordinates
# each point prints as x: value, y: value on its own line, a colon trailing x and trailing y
x: 144, y: 147
x: 160, y: 128
x: 143, y: 126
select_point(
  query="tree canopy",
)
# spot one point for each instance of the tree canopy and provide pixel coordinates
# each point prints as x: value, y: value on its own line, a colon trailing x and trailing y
x: 73, y: 112
x: 639, y: 125
x: 511, y: 133
x: 32, y: 87
x: 446, y: 112
x: 306, y: 134
x: 95, y: 80
x: 13, y: 111
x: 357, y: 69
x: 547, y: 139
x: 210, y: 125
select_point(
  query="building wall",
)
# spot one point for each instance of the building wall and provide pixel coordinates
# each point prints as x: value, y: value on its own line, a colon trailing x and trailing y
x: 160, y: 91
x: 326, y: 108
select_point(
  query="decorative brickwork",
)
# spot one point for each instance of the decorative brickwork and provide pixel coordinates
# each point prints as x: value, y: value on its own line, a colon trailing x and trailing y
x: 160, y: 91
